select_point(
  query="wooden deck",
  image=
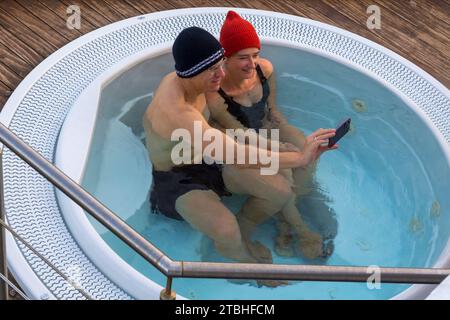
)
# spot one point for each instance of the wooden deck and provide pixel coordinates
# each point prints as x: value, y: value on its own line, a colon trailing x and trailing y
x: 30, y: 30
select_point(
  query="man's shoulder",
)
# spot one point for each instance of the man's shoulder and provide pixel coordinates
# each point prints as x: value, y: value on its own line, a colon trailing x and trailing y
x: 167, y: 85
x: 167, y: 95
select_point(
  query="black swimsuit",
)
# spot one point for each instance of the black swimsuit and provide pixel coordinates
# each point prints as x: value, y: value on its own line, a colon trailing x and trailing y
x: 168, y: 186
x: 250, y: 117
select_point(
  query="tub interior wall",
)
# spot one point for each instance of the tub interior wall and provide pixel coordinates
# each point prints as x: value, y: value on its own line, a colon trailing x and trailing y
x: 125, y: 98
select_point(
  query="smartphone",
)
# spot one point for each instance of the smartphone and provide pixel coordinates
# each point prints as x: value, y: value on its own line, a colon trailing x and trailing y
x: 340, y: 132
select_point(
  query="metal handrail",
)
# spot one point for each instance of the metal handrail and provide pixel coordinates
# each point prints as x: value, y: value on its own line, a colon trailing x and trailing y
x: 171, y: 268
x: 9, y: 283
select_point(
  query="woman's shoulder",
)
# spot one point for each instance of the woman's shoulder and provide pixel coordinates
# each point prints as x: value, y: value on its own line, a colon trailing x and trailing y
x: 266, y: 67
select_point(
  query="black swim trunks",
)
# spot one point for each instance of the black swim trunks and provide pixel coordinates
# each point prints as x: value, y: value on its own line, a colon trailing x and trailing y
x: 167, y: 186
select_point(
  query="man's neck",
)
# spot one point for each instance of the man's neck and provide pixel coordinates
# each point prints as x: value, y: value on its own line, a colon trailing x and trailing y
x: 191, y: 90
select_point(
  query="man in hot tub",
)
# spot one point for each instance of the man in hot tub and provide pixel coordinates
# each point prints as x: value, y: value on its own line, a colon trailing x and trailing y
x: 192, y: 191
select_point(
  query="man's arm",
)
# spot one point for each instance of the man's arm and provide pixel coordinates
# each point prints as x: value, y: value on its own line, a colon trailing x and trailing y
x: 190, y: 117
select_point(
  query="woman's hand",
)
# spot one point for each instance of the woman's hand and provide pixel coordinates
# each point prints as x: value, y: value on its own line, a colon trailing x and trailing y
x: 316, y: 144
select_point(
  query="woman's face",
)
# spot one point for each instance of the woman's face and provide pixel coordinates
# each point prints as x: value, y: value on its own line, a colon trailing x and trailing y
x: 242, y: 64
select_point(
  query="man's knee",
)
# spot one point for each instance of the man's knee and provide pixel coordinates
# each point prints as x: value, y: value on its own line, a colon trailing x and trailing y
x: 191, y: 200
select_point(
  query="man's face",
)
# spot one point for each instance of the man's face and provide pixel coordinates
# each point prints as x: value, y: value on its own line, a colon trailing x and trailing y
x: 212, y: 77
x: 243, y: 63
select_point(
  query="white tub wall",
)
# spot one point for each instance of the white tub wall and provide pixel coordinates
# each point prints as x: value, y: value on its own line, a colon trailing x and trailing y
x: 442, y: 292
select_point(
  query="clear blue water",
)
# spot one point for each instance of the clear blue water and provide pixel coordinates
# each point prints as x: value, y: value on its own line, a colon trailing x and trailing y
x: 387, y: 182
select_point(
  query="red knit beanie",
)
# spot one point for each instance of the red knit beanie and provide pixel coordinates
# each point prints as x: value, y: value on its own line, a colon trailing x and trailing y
x: 237, y: 34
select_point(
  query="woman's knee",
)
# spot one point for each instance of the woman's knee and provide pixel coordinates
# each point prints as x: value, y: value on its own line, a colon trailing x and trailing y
x: 226, y: 230
x: 280, y: 193
x: 232, y: 177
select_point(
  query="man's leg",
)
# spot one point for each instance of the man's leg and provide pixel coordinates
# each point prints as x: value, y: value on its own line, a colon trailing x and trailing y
x: 204, y: 211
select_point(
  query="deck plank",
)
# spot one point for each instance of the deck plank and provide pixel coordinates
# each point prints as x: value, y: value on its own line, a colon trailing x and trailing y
x: 142, y: 6
x: 42, y: 31
x: 50, y: 18
x: 436, y: 34
x: 21, y: 49
x: 9, y: 77
x: 60, y: 9
x: 106, y: 11
x: 123, y: 8
x: 395, y: 34
x: 32, y: 30
x: 88, y: 14
x: 24, y: 34
x: 437, y: 9
x: 160, y: 5
x: 14, y: 61
x: 5, y: 92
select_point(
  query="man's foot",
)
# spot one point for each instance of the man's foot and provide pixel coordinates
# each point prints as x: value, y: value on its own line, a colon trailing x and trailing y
x: 260, y: 252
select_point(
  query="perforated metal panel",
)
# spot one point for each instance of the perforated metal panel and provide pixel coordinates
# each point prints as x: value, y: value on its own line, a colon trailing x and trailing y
x: 30, y: 201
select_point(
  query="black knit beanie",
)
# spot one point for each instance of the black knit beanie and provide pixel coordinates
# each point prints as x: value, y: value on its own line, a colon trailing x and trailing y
x: 194, y: 51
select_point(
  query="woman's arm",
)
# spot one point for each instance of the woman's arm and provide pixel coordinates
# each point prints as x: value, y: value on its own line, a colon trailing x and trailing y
x: 242, y: 155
